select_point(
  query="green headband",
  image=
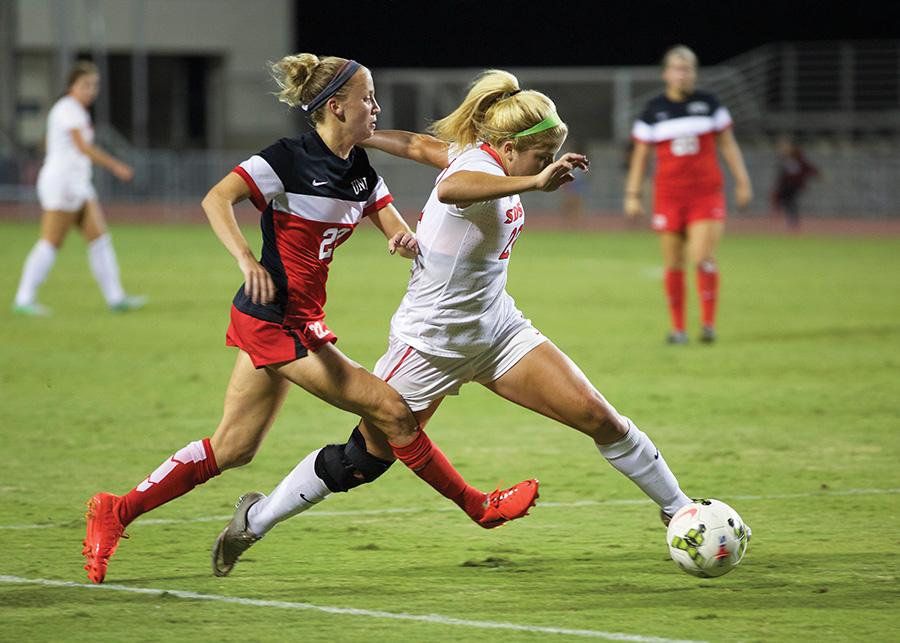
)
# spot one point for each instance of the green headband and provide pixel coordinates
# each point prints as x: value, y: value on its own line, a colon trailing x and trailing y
x: 548, y: 123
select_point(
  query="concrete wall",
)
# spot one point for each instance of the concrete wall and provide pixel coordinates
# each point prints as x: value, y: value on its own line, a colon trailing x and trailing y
x: 243, y: 35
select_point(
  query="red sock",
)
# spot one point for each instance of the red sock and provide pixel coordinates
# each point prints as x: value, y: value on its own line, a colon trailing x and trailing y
x: 708, y: 288
x: 429, y: 463
x: 192, y: 465
x: 675, y: 295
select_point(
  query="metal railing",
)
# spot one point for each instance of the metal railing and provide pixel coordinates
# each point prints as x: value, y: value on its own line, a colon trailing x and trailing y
x: 856, y: 181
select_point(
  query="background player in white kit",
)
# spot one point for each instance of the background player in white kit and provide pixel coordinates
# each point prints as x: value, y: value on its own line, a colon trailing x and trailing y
x: 456, y: 323
x: 67, y: 196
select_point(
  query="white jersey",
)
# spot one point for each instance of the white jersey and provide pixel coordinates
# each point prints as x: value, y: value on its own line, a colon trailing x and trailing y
x: 456, y: 304
x: 63, y: 156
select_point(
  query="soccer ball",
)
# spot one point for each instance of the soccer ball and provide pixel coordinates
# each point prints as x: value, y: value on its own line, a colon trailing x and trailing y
x: 707, y: 538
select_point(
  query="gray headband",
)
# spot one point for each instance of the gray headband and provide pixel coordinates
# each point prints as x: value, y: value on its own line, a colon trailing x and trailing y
x: 344, y: 73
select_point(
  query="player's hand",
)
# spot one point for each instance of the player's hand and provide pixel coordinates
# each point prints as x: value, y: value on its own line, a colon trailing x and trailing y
x: 743, y: 194
x: 258, y: 284
x: 559, y: 172
x: 405, y: 244
x: 633, y: 206
x: 122, y: 171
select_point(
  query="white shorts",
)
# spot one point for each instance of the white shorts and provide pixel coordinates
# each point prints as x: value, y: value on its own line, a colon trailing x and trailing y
x: 421, y: 378
x: 57, y: 191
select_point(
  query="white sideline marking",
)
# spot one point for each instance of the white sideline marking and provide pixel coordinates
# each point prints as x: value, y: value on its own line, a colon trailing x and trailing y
x: 397, y: 616
x: 410, y: 510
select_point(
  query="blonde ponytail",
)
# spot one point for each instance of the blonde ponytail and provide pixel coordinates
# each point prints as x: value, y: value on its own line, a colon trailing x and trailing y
x: 463, y: 125
x: 496, y: 110
x: 302, y: 77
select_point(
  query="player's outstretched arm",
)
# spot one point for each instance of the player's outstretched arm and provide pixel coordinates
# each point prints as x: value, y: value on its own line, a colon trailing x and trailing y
x: 399, y: 235
x: 421, y: 148
x: 218, y: 204
x: 466, y: 187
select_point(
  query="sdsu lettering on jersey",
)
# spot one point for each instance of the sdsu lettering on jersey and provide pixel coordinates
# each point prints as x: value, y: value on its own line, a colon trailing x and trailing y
x: 310, y: 200
x: 684, y: 136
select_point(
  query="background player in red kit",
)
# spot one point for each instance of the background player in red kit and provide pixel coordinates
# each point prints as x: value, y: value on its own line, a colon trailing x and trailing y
x: 686, y: 127
x: 312, y: 191
x: 794, y: 171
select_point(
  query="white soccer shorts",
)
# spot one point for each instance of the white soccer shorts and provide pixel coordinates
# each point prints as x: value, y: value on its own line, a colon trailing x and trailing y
x: 421, y: 378
x: 56, y: 191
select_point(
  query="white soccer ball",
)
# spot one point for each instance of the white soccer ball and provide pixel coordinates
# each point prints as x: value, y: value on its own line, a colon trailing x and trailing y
x: 707, y: 538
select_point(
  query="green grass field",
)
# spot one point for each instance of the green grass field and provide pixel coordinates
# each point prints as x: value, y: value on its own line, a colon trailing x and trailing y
x: 793, y: 418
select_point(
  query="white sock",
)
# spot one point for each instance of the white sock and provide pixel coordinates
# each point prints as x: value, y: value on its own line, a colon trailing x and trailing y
x: 103, y: 262
x: 300, y: 490
x: 636, y: 456
x: 37, y: 266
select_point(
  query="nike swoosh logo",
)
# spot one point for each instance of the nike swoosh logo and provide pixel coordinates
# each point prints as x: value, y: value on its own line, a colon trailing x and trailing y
x: 656, y: 457
x: 318, y: 183
x: 692, y: 511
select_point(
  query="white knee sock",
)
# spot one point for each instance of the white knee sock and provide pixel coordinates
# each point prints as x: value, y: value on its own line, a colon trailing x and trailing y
x: 103, y: 262
x: 300, y: 490
x: 636, y: 456
x: 37, y: 266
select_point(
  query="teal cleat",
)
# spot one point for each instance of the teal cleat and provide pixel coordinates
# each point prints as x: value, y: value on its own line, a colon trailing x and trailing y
x: 130, y: 302
x: 31, y: 310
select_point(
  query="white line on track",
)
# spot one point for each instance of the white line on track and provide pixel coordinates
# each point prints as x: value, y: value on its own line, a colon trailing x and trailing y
x: 410, y: 510
x: 349, y: 611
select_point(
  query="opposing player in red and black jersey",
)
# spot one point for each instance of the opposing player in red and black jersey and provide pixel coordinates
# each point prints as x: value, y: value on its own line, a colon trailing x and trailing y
x: 686, y: 127
x: 312, y: 191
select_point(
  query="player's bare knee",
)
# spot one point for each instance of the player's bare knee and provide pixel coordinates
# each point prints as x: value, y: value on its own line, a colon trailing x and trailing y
x: 394, y: 418
x: 601, y: 421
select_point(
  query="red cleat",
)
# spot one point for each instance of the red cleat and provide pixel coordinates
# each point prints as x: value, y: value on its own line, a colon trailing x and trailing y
x: 103, y: 533
x: 502, y: 506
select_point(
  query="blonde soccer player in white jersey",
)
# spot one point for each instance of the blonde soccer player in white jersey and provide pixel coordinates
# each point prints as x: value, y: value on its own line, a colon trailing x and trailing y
x: 457, y: 324
x: 67, y: 196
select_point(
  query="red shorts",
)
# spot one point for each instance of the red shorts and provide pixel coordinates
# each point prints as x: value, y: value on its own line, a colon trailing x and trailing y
x: 270, y: 343
x: 674, y: 213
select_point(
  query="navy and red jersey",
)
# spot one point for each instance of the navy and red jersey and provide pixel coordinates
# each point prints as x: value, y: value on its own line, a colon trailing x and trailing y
x: 311, y: 200
x: 684, y: 135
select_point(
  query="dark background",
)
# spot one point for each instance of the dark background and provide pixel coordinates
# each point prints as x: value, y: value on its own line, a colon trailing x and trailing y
x: 470, y: 33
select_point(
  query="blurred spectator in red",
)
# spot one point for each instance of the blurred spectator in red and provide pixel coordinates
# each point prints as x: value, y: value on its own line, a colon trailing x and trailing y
x: 794, y: 170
